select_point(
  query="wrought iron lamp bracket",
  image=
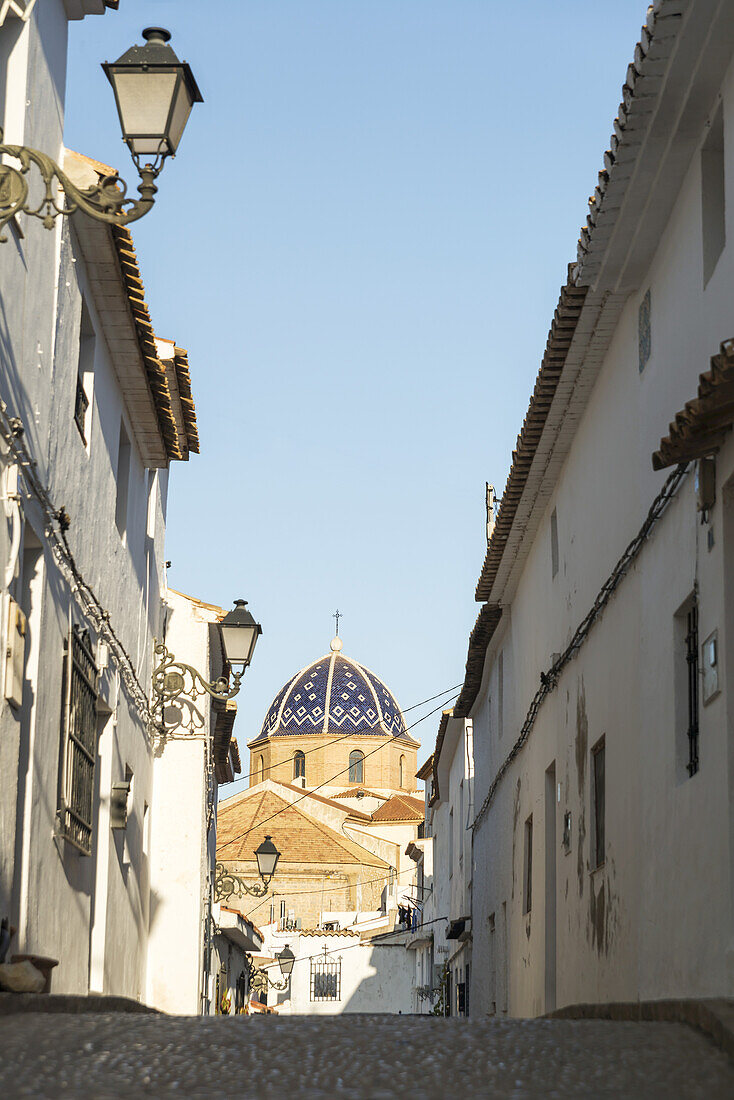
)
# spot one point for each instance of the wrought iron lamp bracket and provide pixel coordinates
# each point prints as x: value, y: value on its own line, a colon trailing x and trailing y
x: 106, y: 201
x: 260, y: 981
x: 228, y: 884
x: 172, y: 678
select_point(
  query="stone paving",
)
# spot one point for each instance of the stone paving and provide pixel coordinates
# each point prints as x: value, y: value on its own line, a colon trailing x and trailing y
x: 354, y: 1058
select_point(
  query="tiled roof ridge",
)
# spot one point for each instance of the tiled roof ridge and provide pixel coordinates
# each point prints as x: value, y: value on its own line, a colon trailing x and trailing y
x: 652, y: 35
x: 176, y: 448
x: 318, y: 797
x: 642, y: 83
x: 440, y: 736
x: 560, y: 336
x: 186, y: 397
x: 352, y: 793
x: 487, y: 622
x: 200, y: 603
x: 698, y: 428
x: 328, y: 932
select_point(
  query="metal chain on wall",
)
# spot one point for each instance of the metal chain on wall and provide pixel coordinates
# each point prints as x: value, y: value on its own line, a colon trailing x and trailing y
x: 549, y: 679
x: 56, y: 524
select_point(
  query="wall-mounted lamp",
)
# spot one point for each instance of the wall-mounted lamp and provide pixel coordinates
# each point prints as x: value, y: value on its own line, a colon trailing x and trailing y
x: 228, y: 883
x: 172, y: 678
x: 261, y: 981
x: 154, y: 92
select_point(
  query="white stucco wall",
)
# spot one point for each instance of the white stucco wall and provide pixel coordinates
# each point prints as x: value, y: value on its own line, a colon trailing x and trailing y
x: 90, y: 912
x: 637, y: 926
x: 183, y: 826
x: 374, y: 978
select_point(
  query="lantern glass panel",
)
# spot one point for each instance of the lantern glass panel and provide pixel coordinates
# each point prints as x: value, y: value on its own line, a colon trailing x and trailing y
x: 144, y: 105
x: 267, y: 856
x: 180, y: 112
x: 286, y: 958
x: 239, y: 642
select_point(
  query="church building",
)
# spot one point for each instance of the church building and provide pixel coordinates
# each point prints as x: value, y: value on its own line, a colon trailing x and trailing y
x: 332, y: 781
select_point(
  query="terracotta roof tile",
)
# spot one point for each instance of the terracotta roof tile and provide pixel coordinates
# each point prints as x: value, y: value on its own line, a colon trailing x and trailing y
x: 321, y: 798
x: 298, y: 837
x: 177, y: 447
x: 698, y: 429
x: 328, y: 932
x: 356, y: 792
x: 485, y: 626
x: 401, y: 807
x: 561, y: 333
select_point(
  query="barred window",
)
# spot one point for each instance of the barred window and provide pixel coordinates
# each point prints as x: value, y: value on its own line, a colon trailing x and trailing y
x: 80, y: 741
x: 299, y: 764
x: 326, y: 979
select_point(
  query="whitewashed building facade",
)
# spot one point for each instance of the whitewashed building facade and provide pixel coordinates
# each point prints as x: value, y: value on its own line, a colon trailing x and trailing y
x: 196, y: 947
x: 92, y: 414
x: 600, y: 675
x: 442, y: 942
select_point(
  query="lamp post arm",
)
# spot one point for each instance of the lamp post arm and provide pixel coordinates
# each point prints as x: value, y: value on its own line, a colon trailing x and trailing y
x: 106, y: 201
x: 229, y: 884
x: 260, y: 981
x: 172, y: 678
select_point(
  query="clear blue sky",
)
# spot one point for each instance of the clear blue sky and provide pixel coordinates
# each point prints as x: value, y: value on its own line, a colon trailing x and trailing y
x: 361, y: 244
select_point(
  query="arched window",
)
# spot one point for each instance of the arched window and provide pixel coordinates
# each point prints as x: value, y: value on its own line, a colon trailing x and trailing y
x: 261, y: 770
x: 299, y: 765
x: 356, y: 766
x: 402, y: 771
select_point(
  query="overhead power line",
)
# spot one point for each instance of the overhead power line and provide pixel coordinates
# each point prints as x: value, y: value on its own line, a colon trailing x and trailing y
x: 326, y: 782
x: 317, y: 748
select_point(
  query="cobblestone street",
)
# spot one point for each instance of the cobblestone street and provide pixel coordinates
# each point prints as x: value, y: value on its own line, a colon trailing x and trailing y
x: 357, y: 1058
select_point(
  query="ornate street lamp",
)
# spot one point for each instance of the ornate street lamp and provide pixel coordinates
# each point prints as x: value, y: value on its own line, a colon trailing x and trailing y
x: 286, y: 958
x: 228, y: 884
x: 172, y: 678
x: 260, y: 980
x: 154, y: 92
x: 240, y: 633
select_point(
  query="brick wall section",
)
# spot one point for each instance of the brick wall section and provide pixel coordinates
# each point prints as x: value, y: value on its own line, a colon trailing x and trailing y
x: 325, y: 756
x: 307, y: 891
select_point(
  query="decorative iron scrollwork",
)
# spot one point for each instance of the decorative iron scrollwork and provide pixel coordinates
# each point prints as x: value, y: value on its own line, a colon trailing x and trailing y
x: 172, y: 678
x: 228, y: 884
x: 260, y: 981
x: 105, y: 201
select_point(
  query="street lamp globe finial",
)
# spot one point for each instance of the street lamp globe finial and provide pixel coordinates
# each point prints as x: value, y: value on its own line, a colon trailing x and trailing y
x: 156, y: 34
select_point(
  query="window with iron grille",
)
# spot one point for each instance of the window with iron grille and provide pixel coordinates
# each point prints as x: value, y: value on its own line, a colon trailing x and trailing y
x: 326, y: 979
x: 80, y: 742
x: 299, y: 764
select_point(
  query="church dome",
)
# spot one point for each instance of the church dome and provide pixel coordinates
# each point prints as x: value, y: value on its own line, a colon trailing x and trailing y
x: 334, y: 693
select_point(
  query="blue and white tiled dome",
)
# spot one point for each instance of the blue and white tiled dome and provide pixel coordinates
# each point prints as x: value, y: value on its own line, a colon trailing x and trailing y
x: 334, y: 693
